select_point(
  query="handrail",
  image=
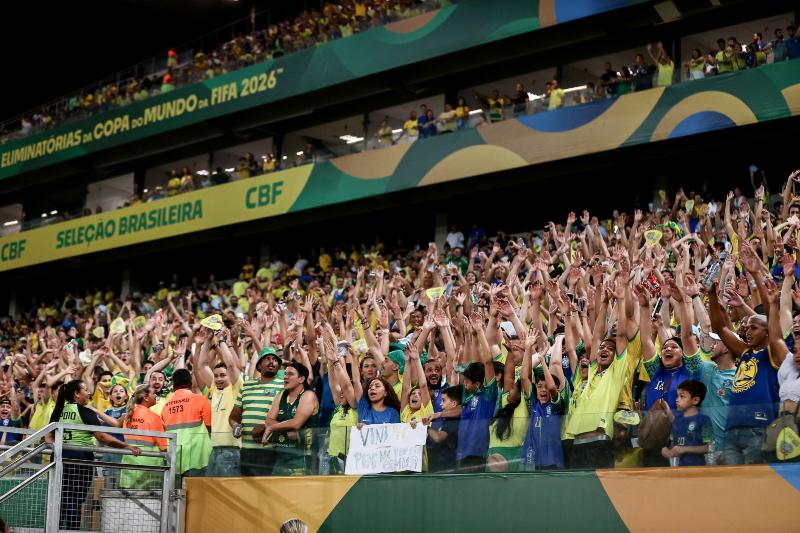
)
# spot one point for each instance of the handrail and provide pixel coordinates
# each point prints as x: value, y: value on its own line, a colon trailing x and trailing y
x: 22, y: 458
x: 26, y: 482
x: 117, y: 451
x: 33, y: 437
x: 123, y: 431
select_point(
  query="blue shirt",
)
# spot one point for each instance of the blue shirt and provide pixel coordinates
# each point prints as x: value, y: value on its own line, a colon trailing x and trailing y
x: 368, y: 415
x: 792, y: 47
x: 477, y: 411
x: 436, y: 393
x: 754, y: 394
x: 13, y: 423
x: 664, y: 384
x: 116, y: 413
x: 691, y: 431
x: 542, y: 446
x: 326, y: 405
x: 778, y: 50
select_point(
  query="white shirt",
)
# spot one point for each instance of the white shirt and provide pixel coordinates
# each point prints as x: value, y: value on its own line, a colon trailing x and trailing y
x: 455, y: 239
x: 789, y: 379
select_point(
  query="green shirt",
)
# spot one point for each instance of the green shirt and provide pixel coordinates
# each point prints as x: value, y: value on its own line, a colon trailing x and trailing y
x: 255, y: 399
x: 72, y: 415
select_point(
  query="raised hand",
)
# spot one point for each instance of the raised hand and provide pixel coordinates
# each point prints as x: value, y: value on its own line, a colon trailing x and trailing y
x: 536, y: 291
x: 574, y: 277
x: 642, y: 296
x: 552, y: 288
x: 748, y: 258
x: 571, y: 218
x: 690, y: 286
x: 476, y: 321
x: 734, y: 298
x: 788, y: 262
x: 440, y: 318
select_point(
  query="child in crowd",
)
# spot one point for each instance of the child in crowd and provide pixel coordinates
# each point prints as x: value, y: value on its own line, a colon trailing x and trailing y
x: 9, y: 417
x: 443, y: 433
x: 547, y: 404
x: 691, y: 430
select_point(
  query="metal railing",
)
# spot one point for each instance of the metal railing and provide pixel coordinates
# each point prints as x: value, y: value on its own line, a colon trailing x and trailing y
x: 54, y: 486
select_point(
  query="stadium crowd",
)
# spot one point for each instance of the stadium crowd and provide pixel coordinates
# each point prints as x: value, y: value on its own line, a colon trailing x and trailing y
x: 659, y: 336
x: 343, y: 18
x: 335, y: 20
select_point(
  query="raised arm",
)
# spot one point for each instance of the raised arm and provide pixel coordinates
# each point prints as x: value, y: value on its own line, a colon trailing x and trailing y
x: 777, y: 346
x: 483, y: 349
x: 720, y: 326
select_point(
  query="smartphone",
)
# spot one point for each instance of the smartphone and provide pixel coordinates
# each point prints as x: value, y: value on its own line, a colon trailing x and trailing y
x: 657, y: 307
x: 454, y: 277
x: 342, y: 346
x: 379, y: 301
x: 237, y: 432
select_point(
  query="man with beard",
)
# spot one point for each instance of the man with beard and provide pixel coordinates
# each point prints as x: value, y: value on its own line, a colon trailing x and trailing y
x: 250, y: 412
x: 433, y: 375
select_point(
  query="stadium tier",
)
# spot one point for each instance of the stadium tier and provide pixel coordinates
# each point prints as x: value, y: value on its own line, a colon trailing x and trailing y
x: 484, y: 264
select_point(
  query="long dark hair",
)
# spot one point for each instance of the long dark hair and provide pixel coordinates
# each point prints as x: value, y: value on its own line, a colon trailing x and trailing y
x: 66, y: 394
x: 391, y: 399
x: 504, y: 419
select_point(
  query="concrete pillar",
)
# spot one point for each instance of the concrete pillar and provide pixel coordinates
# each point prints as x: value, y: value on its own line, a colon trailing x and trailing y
x: 13, y: 305
x: 440, y: 233
x: 125, y: 289
x: 263, y: 254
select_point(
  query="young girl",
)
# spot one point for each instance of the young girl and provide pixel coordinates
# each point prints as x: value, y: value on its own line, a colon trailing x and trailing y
x: 111, y: 417
x: 119, y: 406
x: 379, y: 405
x: 415, y: 402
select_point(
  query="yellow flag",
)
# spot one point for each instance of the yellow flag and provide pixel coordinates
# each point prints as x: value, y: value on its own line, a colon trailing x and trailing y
x: 788, y: 444
x: 118, y: 325
x: 213, y: 322
x: 99, y: 332
x: 652, y: 237
x: 434, y: 292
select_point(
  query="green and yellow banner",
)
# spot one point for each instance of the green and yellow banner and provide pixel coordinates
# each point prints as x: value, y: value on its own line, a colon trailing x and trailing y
x: 240, y: 201
x: 748, y: 97
x: 450, y: 29
x: 724, y: 499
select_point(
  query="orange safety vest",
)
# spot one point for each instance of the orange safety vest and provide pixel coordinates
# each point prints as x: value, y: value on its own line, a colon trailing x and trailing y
x: 185, y: 414
x: 186, y: 410
x: 146, y: 420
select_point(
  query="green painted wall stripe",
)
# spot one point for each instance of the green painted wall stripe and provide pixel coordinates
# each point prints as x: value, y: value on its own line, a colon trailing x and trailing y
x: 536, y: 501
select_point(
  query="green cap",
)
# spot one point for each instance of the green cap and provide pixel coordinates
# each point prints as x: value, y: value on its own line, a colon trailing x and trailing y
x: 266, y: 351
x: 398, y: 357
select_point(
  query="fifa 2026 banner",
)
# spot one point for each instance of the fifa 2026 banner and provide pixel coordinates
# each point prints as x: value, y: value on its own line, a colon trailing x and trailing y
x: 446, y: 30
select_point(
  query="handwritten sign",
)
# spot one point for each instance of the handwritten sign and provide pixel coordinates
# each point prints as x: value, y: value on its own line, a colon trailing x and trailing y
x: 385, y: 448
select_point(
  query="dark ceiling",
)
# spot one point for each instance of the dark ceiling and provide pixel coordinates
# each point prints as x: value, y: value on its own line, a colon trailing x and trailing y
x: 54, y: 48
